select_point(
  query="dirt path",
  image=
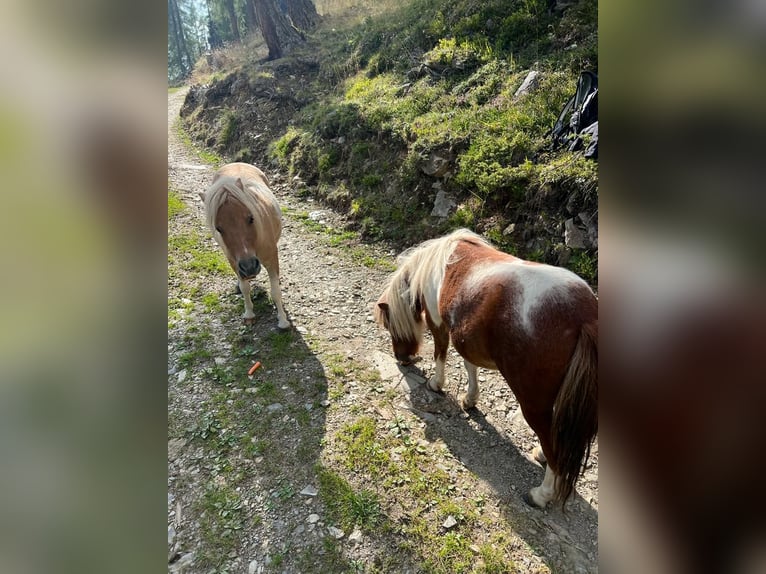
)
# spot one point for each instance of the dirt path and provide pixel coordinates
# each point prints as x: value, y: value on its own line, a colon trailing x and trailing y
x: 330, y: 458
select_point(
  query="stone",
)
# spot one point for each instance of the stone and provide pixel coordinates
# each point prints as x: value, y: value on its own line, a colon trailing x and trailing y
x: 450, y: 522
x: 386, y: 365
x: 313, y: 518
x: 252, y: 568
x: 274, y: 408
x: 355, y: 537
x: 175, y: 446
x: 181, y: 375
x: 529, y: 84
x: 442, y: 204
x: 437, y: 165
x: 309, y: 491
x: 336, y: 533
x: 574, y: 237
x: 220, y: 361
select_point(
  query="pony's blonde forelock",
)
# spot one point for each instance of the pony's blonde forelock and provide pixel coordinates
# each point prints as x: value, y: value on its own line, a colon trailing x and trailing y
x: 418, y: 267
x: 226, y: 187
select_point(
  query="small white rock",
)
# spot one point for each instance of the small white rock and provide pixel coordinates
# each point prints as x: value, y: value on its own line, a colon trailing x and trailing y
x: 450, y: 522
x: 309, y: 491
x: 355, y: 536
x: 220, y: 361
x: 336, y: 533
x: 181, y: 375
x: 252, y: 567
x: 313, y: 518
x: 274, y: 408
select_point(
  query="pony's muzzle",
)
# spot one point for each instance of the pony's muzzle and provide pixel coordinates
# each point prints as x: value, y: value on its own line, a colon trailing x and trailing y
x: 248, y: 268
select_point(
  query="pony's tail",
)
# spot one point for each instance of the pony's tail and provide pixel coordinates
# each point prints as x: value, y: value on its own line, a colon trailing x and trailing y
x: 575, y: 412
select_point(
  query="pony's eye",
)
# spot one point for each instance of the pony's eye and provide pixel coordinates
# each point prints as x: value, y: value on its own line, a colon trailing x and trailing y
x: 218, y: 229
x: 250, y: 220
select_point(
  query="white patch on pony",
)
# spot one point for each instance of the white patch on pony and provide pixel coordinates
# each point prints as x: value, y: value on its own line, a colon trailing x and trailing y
x: 431, y: 293
x: 537, y: 283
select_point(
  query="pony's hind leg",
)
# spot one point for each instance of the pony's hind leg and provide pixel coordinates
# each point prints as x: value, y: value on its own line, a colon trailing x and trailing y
x: 541, y: 495
x: 244, y: 287
x: 540, y: 422
x: 276, y: 296
x: 468, y: 400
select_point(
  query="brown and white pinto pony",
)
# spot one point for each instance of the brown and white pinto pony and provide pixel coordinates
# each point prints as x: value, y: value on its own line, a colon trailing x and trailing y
x: 536, y: 324
x: 246, y: 221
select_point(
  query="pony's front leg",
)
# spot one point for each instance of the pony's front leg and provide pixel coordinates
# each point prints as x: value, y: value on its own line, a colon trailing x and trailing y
x: 276, y: 296
x: 441, y: 344
x: 244, y: 287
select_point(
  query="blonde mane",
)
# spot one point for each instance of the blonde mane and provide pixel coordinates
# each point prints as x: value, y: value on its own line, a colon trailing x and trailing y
x: 225, y: 187
x: 420, y: 272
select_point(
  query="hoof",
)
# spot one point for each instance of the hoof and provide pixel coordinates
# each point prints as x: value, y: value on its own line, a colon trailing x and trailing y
x: 248, y: 320
x: 466, y: 403
x: 432, y: 386
x: 284, y: 327
x: 527, y: 497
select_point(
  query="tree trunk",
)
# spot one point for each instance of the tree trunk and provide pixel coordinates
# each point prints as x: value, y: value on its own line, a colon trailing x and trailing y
x: 303, y: 14
x: 277, y: 30
x: 250, y: 17
x: 229, y: 5
x: 183, y: 58
x: 213, y: 35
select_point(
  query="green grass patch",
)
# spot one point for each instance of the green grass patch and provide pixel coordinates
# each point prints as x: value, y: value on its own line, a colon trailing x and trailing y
x: 347, y: 507
x: 221, y: 522
x: 188, y: 250
x: 175, y: 204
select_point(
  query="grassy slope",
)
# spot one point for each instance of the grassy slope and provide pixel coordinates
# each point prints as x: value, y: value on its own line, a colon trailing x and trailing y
x: 369, y: 116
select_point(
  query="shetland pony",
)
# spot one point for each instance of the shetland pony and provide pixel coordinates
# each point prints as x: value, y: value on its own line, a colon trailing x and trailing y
x: 246, y: 221
x: 536, y: 324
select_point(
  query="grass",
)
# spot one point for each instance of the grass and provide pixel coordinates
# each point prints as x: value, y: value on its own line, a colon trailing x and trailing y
x: 207, y: 156
x: 175, y: 204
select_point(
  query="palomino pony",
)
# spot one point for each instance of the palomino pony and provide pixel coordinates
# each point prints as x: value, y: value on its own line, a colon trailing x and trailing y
x: 536, y: 324
x: 246, y: 221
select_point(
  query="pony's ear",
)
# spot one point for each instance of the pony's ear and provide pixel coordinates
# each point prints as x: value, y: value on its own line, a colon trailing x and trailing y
x: 240, y: 185
x: 383, y: 305
x: 202, y: 196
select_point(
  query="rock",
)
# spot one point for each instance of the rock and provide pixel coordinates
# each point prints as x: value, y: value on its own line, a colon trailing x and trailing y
x: 313, y: 518
x: 442, y: 204
x: 336, y: 533
x: 309, y: 491
x: 509, y: 230
x: 182, y: 563
x: 252, y: 568
x: 175, y: 446
x: 274, y: 408
x: 171, y: 535
x: 317, y: 216
x: 220, y: 361
x: 529, y: 84
x: 438, y: 164
x: 182, y: 375
x: 386, y: 366
x: 574, y: 237
x: 355, y: 537
x: 450, y: 522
